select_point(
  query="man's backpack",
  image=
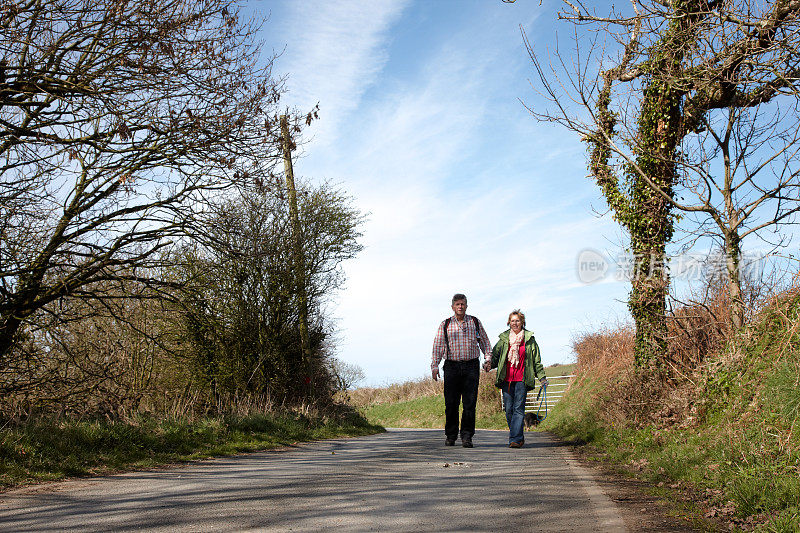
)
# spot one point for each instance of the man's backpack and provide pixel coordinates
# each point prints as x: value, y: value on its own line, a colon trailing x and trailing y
x: 477, y: 332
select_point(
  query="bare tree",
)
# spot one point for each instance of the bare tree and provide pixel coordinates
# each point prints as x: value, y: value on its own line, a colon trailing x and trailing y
x: 118, y: 120
x: 741, y: 178
x: 347, y: 374
x: 646, y: 84
x: 102, y: 356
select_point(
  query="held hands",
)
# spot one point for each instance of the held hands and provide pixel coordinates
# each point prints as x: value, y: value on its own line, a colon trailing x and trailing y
x: 487, y: 367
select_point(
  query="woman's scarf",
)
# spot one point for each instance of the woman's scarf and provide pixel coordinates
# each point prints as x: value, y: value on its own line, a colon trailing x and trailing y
x: 514, y: 341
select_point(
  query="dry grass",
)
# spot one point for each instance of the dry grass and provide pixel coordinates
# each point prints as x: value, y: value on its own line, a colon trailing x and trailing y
x: 605, y: 352
x: 419, y: 388
x: 626, y: 396
x: 397, y: 392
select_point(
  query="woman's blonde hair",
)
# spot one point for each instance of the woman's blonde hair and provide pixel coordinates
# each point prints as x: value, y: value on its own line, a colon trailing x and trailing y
x: 519, y: 313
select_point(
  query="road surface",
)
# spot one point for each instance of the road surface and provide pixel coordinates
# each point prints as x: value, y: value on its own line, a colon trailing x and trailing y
x: 402, y: 480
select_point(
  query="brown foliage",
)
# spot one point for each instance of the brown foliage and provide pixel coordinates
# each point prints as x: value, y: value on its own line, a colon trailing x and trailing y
x: 700, y: 332
x: 697, y: 331
x: 395, y: 392
x: 608, y: 351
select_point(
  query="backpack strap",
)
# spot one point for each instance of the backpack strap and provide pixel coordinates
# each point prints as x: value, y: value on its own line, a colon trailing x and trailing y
x: 446, y: 340
x: 477, y: 332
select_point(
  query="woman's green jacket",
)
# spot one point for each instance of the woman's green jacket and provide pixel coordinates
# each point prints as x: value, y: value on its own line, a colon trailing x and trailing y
x: 533, y: 362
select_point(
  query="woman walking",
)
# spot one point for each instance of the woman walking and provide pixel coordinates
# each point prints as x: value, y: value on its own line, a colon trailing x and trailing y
x: 516, y: 357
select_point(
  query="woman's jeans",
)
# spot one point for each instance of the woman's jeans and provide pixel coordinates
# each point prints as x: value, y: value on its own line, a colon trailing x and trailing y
x: 514, y: 395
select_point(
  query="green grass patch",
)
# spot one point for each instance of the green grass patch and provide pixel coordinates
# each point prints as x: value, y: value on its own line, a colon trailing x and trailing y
x: 423, y: 412
x: 46, y: 451
x: 427, y: 412
x: 560, y: 370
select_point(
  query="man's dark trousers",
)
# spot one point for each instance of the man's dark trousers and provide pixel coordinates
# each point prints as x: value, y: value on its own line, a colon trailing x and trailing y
x: 460, y: 386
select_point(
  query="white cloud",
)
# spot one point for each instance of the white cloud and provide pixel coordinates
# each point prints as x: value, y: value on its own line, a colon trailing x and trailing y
x: 335, y: 52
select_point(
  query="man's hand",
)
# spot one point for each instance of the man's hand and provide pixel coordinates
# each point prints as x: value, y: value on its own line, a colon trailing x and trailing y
x: 543, y: 382
x: 435, y: 374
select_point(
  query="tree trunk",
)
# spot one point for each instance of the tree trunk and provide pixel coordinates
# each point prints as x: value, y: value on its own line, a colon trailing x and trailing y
x: 302, y: 303
x: 650, y: 223
x: 647, y: 304
x: 732, y: 263
x: 8, y: 331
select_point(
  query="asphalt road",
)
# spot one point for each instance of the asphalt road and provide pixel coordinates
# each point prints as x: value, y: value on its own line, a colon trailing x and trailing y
x: 403, y: 480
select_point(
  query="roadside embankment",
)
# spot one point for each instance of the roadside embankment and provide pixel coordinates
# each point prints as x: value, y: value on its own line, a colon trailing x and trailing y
x: 716, y: 428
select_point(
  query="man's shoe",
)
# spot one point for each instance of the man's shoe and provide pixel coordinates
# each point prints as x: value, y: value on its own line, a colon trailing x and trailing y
x: 466, y: 443
x: 515, y: 445
x: 450, y: 442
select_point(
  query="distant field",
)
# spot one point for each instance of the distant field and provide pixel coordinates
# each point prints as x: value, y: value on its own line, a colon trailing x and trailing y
x: 560, y: 370
x: 428, y: 412
x: 420, y: 403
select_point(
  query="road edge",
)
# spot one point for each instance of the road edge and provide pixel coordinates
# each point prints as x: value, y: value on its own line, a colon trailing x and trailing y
x: 608, y: 513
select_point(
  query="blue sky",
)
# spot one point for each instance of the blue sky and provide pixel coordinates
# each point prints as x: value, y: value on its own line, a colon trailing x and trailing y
x: 421, y: 122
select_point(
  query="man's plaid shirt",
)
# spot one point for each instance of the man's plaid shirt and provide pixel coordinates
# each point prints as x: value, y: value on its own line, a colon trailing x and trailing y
x: 463, y: 341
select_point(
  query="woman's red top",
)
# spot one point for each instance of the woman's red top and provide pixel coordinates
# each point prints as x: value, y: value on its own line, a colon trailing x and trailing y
x: 515, y: 374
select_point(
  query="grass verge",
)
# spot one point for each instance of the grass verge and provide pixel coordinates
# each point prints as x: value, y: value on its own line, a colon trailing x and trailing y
x: 47, y: 451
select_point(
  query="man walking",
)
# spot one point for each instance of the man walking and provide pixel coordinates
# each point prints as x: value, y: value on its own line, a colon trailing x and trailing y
x: 457, y: 341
